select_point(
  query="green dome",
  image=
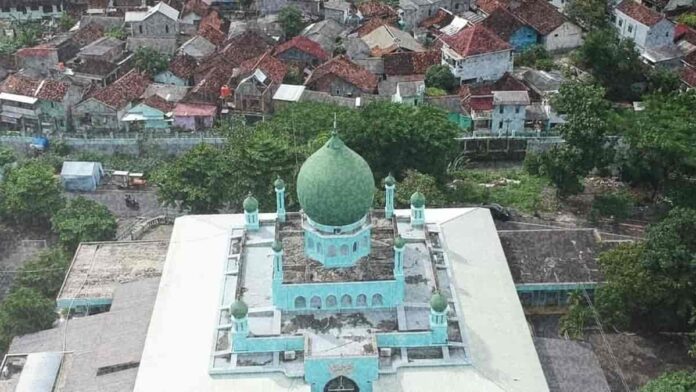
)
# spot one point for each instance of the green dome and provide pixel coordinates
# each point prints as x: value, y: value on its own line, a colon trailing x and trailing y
x: 389, y: 180
x: 417, y: 199
x: 438, y: 302
x: 399, y: 242
x: 239, y: 309
x: 277, y: 246
x: 335, y: 185
x: 250, y: 204
x: 279, y: 183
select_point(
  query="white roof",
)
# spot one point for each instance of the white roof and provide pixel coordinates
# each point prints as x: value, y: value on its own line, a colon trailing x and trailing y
x: 77, y: 168
x: 455, y: 26
x: 139, y: 16
x: 18, y: 98
x: 39, y: 372
x: 176, y: 356
x: 288, y: 92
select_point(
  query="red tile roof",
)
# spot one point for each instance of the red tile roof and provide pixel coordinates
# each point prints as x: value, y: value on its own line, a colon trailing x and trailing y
x: 372, y: 9
x: 640, y: 12
x: 410, y: 63
x: 690, y: 59
x: 191, y: 109
x: 305, y: 45
x: 159, y: 103
x: 215, y: 36
x: 503, y: 23
x: 36, y: 51
x: 487, y: 6
x: 273, y: 68
x: 688, y: 76
x: 88, y: 34
x: 539, y: 14
x: 183, y: 66
x: 441, y: 19
x: 342, y: 68
x: 475, y: 40
x: 198, y: 7
x: 686, y: 33
x: 124, y: 90
x: 49, y: 90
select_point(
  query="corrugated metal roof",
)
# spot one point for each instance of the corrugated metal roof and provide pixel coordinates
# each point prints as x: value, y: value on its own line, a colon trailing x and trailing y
x: 139, y: 16
x: 18, y: 98
x: 289, y: 92
x: 39, y: 372
x: 75, y: 168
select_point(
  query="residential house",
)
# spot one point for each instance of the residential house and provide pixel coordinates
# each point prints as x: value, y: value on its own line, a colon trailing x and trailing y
x: 688, y: 77
x: 302, y: 52
x: 87, y: 34
x: 509, y: 28
x: 325, y: 33
x: 156, y: 28
x: 197, y: 47
x: 652, y: 33
x: 104, y: 49
x: 477, y: 100
x: 213, y: 27
x: 194, y: 11
x: 409, y: 93
x: 180, y: 71
x: 31, y: 10
x: 40, y: 60
x: 342, y: 77
x: 509, y: 112
x: 376, y: 10
x: 410, y: 63
x: 152, y: 114
x: 413, y: 12
x: 194, y: 116
x: 287, y: 94
x: 37, y: 105
x: 104, y: 108
x: 452, y: 106
x: 476, y: 54
x: 341, y: 11
x: 388, y: 39
x: 543, y: 85
x: 258, y: 81
x: 103, y: 61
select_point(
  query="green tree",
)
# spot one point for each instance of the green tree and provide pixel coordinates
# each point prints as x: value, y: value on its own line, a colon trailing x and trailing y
x: 688, y: 18
x: 591, y: 14
x: 573, y: 322
x: 24, y: 311
x: 615, y: 63
x: 117, y: 32
x: 682, y: 381
x: 423, y: 183
x: 294, y: 76
x: 66, y: 21
x: 83, y: 220
x: 616, y: 205
x: 150, y: 60
x: 30, y: 194
x: 290, y: 19
x: 440, y: 76
x: 562, y: 167
x: 662, y: 80
x: 7, y: 156
x: 198, y: 181
x: 535, y: 56
x: 44, y: 273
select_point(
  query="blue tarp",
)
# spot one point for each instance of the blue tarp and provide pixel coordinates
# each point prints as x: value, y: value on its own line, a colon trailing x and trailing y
x: 81, y: 176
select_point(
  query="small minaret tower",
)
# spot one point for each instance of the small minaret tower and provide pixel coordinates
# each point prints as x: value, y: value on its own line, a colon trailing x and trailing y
x: 417, y: 209
x: 277, y: 248
x: 438, y: 318
x: 389, y: 186
x: 279, y: 186
x: 240, y: 327
x: 251, y: 213
x: 399, y: 247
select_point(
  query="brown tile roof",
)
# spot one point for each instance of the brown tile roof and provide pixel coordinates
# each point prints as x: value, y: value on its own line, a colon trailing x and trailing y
x: 475, y: 40
x: 372, y: 9
x: 126, y: 89
x: 88, y: 34
x: 690, y: 59
x: 503, y: 23
x: 36, y: 51
x: 305, y: 45
x: 487, y: 6
x: 640, y: 12
x: 159, y: 103
x: 183, y: 66
x: 49, y: 90
x: 198, y: 7
x: 480, y: 96
x: 273, y: 68
x: 688, y: 76
x: 373, y: 24
x: 342, y: 68
x: 410, y: 63
x: 539, y: 14
x: 441, y: 19
x: 212, y: 27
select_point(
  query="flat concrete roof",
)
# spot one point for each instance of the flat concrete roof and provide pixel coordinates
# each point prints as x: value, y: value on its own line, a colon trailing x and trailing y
x: 177, y: 350
x: 99, y: 267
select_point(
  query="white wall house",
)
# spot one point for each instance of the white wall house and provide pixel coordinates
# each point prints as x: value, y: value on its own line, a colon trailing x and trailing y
x: 647, y: 28
x: 475, y: 54
x: 509, y: 112
x: 566, y: 36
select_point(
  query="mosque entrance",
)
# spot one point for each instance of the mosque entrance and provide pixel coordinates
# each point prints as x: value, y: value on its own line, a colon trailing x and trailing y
x: 341, y: 384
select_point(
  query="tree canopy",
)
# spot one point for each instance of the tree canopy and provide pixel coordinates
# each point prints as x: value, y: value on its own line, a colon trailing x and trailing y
x: 83, y: 220
x: 591, y: 14
x: 672, y: 382
x: 440, y: 76
x: 30, y: 194
x: 44, y: 273
x: 150, y: 60
x: 25, y: 311
x: 290, y: 19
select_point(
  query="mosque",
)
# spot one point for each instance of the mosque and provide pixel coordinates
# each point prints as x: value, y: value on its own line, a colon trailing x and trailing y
x: 339, y: 297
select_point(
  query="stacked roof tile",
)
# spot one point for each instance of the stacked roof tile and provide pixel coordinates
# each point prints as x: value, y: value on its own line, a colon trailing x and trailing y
x: 475, y: 40
x: 303, y: 44
x: 342, y: 68
x: 273, y: 68
x: 126, y: 89
x: 49, y: 90
x: 410, y: 63
x: 88, y: 34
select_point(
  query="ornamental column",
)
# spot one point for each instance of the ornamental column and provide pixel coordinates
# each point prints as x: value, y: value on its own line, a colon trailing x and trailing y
x: 279, y: 186
x: 417, y: 209
x: 240, y: 327
x: 438, y: 318
x: 389, y: 186
x: 251, y: 213
x: 277, y: 270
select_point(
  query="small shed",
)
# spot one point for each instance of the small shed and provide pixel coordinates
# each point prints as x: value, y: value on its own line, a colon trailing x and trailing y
x: 81, y: 176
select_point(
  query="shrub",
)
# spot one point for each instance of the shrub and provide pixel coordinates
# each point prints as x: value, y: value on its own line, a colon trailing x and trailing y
x: 672, y: 382
x: 440, y: 76
x: 24, y: 311
x: 435, y: 92
x: 532, y: 164
x: 616, y: 205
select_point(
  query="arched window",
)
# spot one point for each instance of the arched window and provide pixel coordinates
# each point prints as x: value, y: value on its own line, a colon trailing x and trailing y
x: 332, y: 251
x: 300, y: 303
x: 331, y: 301
x: 344, y: 250
x: 346, y: 301
x: 361, y: 300
x: 377, y: 300
x: 315, y: 302
x: 355, y: 246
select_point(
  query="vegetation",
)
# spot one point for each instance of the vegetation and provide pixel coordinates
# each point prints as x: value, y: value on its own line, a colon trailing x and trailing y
x: 117, y: 32
x: 83, y: 220
x: 672, y: 382
x: 290, y: 19
x: 414, y: 181
x: 440, y: 76
x: 66, y: 21
x: 572, y: 324
x: 688, y: 18
x: 44, y: 273
x: 150, y: 60
x: 536, y: 57
x: 294, y: 76
x: 26, y: 34
x: 435, y: 92
x: 616, y: 205
x: 591, y: 14
x: 30, y: 194
x: 24, y: 311
x: 7, y: 156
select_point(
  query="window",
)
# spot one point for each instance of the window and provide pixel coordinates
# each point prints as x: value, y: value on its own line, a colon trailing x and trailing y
x: 377, y: 300
x: 5, y: 9
x: 310, y: 243
x: 315, y: 302
x: 332, y: 251
x: 140, y: 29
x: 517, y: 109
x: 166, y: 29
x: 355, y: 247
x: 501, y: 109
x: 300, y: 303
x: 630, y: 28
x: 430, y: 12
x: 344, y: 250
x: 620, y: 22
x: 47, y: 9
x: 456, y: 6
x: 500, y: 125
x: 331, y: 301
x: 361, y: 300
x: 346, y: 301
x: 22, y: 9
x: 34, y: 7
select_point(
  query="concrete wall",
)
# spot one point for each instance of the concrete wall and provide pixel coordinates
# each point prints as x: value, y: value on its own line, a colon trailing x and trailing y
x: 489, y: 66
x: 268, y: 344
x: 566, y: 36
x: 156, y: 26
x: 661, y: 34
x: 13, y: 13
x: 523, y: 38
x: 336, y: 86
x: 644, y: 36
x: 93, y: 115
x: 513, y: 115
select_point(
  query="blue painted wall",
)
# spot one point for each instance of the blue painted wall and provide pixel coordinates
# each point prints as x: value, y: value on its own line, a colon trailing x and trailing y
x: 362, y: 370
x: 523, y: 38
x: 287, y: 296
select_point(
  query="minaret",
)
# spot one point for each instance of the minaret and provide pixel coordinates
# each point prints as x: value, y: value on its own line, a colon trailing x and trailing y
x: 417, y: 209
x: 240, y: 328
x: 279, y: 186
x: 251, y: 213
x: 438, y: 318
x: 277, y: 267
x: 389, y: 185
x: 399, y: 247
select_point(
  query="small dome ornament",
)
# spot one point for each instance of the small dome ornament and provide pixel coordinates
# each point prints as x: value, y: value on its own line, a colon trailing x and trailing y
x: 277, y: 246
x: 239, y: 309
x: 399, y: 242
x: 438, y: 302
x: 389, y: 180
x: 250, y: 204
x: 279, y: 183
x: 417, y: 199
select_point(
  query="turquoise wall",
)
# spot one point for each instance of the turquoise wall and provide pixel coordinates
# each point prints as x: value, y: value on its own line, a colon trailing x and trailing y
x: 523, y: 38
x: 405, y: 339
x: 267, y: 344
x: 362, y: 370
x: 337, y: 250
x: 286, y: 296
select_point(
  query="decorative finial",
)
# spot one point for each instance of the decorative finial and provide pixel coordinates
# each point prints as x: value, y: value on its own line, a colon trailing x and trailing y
x: 334, y: 132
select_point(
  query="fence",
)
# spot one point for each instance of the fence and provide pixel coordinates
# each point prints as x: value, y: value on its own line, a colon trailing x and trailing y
x: 505, y: 148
